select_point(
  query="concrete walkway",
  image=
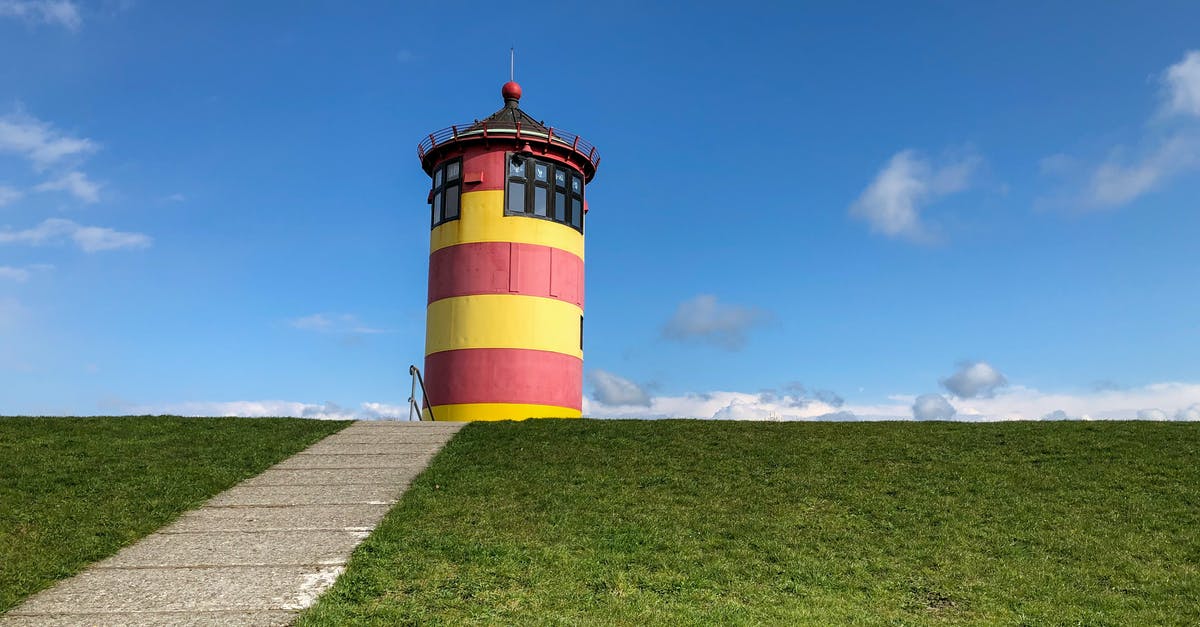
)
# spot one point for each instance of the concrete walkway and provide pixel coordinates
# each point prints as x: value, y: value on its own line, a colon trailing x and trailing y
x: 257, y: 553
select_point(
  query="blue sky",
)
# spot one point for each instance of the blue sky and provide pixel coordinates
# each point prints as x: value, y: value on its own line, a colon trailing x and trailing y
x: 938, y: 210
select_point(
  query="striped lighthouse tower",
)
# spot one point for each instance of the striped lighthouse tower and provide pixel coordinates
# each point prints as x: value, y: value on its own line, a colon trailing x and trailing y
x: 504, y: 325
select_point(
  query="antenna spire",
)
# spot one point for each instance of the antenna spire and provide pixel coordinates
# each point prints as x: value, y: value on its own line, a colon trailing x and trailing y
x: 511, y: 90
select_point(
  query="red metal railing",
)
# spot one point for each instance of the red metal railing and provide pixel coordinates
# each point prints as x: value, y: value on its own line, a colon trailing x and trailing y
x: 481, y: 129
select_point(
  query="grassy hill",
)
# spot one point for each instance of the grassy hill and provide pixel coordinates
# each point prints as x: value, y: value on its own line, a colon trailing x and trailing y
x: 681, y: 522
x: 75, y: 490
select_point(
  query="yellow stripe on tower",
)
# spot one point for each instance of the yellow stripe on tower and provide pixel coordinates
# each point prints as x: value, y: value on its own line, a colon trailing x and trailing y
x: 499, y: 411
x: 503, y: 321
x: 482, y: 219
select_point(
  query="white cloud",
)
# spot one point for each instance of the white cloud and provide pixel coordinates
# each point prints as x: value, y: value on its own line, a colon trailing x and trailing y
x: 1166, y: 151
x: 333, y: 323
x: 1151, y: 414
x: 611, y: 389
x: 729, y: 406
x: 1114, y: 183
x: 1022, y: 403
x: 1190, y: 413
x: 703, y: 319
x: 39, y: 142
x: 274, y: 408
x: 1183, y: 85
x: 739, y: 409
x: 9, y: 194
x: 1057, y: 164
x: 88, y: 238
x: 95, y: 238
x: 892, y: 204
x: 56, y: 12
x: 795, y: 394
x: 974, y: 379
x: 10, y: 273
x: 20, y: 275
x: 384, y: 411
x: 75, y: 183
x: 932, y: 407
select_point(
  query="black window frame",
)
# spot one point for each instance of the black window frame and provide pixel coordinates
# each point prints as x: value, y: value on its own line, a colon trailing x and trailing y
x: 562, y: 215
x: 437, y: 194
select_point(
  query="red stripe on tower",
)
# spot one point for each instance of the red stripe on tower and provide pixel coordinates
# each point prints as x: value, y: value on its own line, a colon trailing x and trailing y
x: 504, y: 375
x: 505, y: 268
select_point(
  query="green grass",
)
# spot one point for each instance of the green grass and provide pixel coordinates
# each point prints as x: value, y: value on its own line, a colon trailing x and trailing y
x: 74, y: 490
x: 681, y: 522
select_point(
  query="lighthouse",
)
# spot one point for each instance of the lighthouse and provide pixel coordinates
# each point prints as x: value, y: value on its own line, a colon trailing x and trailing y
x: 504, y: 323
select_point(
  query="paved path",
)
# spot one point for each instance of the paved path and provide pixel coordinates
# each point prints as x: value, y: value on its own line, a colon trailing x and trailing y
x: 257, y: 553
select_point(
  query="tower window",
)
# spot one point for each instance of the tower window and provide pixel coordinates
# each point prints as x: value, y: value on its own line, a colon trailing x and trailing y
x: 546, y: 190
x: 445, y: 199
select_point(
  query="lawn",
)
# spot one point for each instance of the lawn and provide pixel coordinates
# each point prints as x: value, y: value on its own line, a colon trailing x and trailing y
x: 682, y: 522
x: 74, y: 490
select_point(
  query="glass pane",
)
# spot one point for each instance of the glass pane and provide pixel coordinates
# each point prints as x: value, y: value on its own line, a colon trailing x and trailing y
x: 560, y: 206
x: 576, y: 212
x: 452, y: 171
x: 437, y: 178
x: 576, y: 185
x: 516, y: 197
x: 451, y: 202
x: 541, y: 171
x: 560, y: 178
x: 516, y: 166
x: 539, y: 201
x: 437, y: 207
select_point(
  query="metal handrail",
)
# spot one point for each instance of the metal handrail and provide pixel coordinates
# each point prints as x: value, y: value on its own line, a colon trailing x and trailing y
x: 481, y: 129
x: 415, y: 372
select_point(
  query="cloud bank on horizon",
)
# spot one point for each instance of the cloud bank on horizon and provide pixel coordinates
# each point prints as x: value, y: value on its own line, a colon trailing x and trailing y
x: 1160, y: 401
x: 978, y: 392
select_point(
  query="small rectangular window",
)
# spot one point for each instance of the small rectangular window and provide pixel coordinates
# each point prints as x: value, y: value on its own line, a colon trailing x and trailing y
x: 576, y: 213
x: 560, y: 178
x: 516, y: 197
x: 541, y: 171
x: 539, y: 201
x: 576, y: 185
x: 445, y: 197
x: 451, y: 208
x: 516, y: 166
x: 560, y: 206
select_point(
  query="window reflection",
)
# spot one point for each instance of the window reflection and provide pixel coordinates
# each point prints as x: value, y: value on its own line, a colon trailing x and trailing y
x: 516, y: 197
x: 539, y: 201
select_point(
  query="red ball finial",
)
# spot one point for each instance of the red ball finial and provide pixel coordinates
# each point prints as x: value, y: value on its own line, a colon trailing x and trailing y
x: 511, y: 91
